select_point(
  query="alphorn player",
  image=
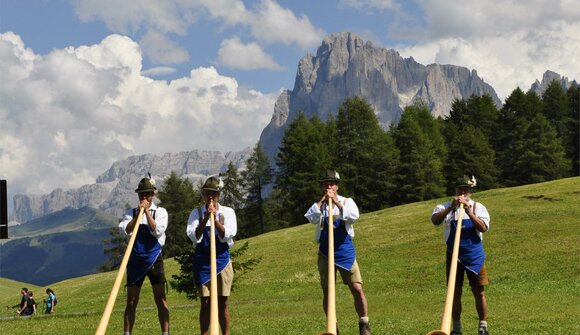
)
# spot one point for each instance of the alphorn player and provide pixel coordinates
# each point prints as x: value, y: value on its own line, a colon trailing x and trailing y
x: 345, y: 213
x: 198, y: 229
x: 146, y: 259
x: 475, y: 222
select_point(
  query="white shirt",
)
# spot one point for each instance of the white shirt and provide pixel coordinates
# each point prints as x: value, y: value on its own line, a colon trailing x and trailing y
x: 349, y: 214
x: 480, y: 212
x: 161, y: 218
x: 230, y: 224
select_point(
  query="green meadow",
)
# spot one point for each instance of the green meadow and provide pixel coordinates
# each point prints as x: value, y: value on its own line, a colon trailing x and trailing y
x: 533, y: 259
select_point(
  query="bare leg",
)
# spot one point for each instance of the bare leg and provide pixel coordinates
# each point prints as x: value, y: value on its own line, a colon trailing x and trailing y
x: 480, y: 302
x: 456, y: 310
x: 131, y: 307
x: 224, y: 315
x: 360, y: 300
x: 204, y: 315
x: 162, y: 307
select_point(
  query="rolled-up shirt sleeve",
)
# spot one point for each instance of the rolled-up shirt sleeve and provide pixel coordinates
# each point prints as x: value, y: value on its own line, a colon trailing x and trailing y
x: 161, y: 219
x: 192, y: 223
x: 313, y: 215
x: 230, y: 225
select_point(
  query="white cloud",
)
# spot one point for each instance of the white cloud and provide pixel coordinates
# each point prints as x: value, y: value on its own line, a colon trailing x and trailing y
x: 237, y: 55
x: 66, y: 116
x: 128, y: 16
x: 368, y: 4
x: 158, y: 71
x: 509, y: 43
x: 273, y: 24
x: 162, y: 50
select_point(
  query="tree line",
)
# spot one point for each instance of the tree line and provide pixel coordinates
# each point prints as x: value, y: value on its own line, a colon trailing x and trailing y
x: 530, y: 139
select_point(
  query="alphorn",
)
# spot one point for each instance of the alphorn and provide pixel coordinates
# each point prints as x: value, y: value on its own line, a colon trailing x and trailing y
x: 111, y: 303
x: 446, y: 321
x: 331, y: 295
x: 213, y: 292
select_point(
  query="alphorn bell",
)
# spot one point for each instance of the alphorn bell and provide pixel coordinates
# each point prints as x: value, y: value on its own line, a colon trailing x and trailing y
x: 331, y: 294
x: 214, y: 324
x: 113, y: 296
x: 446, y: 322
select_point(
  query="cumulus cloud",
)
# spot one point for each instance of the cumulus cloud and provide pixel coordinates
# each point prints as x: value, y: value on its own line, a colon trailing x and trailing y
x: 67, y: 115
x: 273, y: 24
x: 509, y: 43
x: 368, y: 4
x: 237, y: 55
x: 161, y: 49
x: 268, y: 22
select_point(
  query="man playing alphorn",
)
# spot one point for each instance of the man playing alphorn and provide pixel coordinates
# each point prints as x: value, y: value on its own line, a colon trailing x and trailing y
x: 345, y: 213
x: 471, y: 255
x: 198, y: 230
x: 146, y: 258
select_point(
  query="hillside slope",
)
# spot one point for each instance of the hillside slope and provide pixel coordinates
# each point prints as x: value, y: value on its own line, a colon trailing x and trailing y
x: 533, y: 257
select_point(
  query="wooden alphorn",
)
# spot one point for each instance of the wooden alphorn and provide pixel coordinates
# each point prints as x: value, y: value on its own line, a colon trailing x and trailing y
x: 446, y: 321
x: 331, y: 292
x: 214, y: 324
x: 113, y: 296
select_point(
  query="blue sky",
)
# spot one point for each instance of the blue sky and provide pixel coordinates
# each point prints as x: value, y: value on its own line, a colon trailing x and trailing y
x: 88, y: 82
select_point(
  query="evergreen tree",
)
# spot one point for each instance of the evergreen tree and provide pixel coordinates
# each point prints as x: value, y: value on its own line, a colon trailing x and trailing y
x: 257, y: 176
x: 179, y: 197
x: 555, y: 108
x: 419, y: 175
x: 304, y: 154
x: 539, y: 153
x: 469, y: 151
x: 365, y: 155
x: 231, y: 194
x: 514, y: 118
x: 115, y: 248
x: 467, y: 131
x: 573, y: 147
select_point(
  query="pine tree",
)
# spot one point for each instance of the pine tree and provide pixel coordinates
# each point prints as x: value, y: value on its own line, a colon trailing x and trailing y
x: 257, y: 176
x: 514, y: 119
x: 539, y: 153
x: 178, y: 197
x: 231, y: 194
x: 573, y: 147
x: 469, y: 152
x: 365, y: 155
x: 420, y: 172
x: 304, y: 154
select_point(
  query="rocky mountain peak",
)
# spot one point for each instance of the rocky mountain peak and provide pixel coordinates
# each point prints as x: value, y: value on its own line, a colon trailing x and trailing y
x: 345, y: 66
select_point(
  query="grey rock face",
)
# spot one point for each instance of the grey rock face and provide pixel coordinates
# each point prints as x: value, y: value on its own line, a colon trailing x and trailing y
x: 115, y: 188
x: 547, y: 78
x: 346, y: 66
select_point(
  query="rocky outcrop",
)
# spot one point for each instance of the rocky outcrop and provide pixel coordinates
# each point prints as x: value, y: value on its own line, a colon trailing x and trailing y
x: 115, y: 188
x: 547, y: 78
x: 346, y: 66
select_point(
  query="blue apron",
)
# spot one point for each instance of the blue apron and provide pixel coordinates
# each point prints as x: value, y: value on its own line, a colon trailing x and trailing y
x: 471, y: 253
x: 344, y: 253
x: 145, y: 252
x: 201, y: 258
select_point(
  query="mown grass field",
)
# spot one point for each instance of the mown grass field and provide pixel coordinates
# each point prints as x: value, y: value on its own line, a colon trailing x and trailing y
x: 533, y: 258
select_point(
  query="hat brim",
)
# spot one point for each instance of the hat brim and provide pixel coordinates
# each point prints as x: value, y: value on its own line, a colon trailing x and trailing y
x: 210, y: 189
x: 145, y: 190
x: 328, y: 179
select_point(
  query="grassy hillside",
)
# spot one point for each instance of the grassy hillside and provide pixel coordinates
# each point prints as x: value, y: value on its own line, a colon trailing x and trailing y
x: 533, y: 257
